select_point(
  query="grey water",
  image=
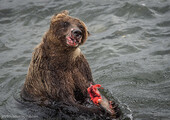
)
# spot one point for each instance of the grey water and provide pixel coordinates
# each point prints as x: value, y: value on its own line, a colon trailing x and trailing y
x: 128, y: 51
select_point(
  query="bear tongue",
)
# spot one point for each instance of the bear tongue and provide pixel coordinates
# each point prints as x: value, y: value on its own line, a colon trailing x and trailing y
x: 71, y: 41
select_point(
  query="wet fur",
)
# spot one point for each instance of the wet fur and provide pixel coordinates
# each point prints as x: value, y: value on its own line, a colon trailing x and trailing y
x: 58, y: 72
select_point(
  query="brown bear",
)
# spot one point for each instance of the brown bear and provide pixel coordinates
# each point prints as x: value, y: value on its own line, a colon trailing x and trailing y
x: 58, y: 70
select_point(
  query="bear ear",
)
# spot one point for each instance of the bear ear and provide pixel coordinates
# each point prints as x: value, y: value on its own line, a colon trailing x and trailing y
x: 59, y: 15
x: 64, y: 12
x: 88, y: 33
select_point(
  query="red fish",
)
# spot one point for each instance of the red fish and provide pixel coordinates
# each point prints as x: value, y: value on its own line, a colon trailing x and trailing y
x: 100, y: 100
x: 94, y: 93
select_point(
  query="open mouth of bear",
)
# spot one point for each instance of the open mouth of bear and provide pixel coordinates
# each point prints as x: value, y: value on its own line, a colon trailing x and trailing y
x: 74, y: 38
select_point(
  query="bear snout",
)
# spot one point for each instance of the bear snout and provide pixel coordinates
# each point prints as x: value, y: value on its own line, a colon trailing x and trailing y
x: 74, y: 38
x: 77, y: 34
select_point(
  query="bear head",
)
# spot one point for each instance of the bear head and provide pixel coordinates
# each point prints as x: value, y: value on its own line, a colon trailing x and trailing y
x: 66, y: 31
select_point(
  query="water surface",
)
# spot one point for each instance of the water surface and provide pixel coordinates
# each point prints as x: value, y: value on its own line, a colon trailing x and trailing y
x: 128, y: 51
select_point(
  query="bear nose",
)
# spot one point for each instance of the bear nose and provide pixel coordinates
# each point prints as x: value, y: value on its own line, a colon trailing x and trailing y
x: 76, y: 33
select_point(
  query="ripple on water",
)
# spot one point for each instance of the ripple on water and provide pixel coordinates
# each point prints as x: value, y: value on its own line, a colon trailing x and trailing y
x: 164, y: 24
x: 134, y: 11
x: 162, y: 9
x: 156, y: 35
x: 126, y: 31
x: 3, y: 47
x: 14, y: 62
x: 161, y: 52
x: 127, y: 49
x: 6, y: 13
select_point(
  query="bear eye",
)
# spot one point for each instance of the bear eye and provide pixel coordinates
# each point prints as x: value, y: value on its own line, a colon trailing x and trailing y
x: 81, y: 27
x: 65, y: 24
